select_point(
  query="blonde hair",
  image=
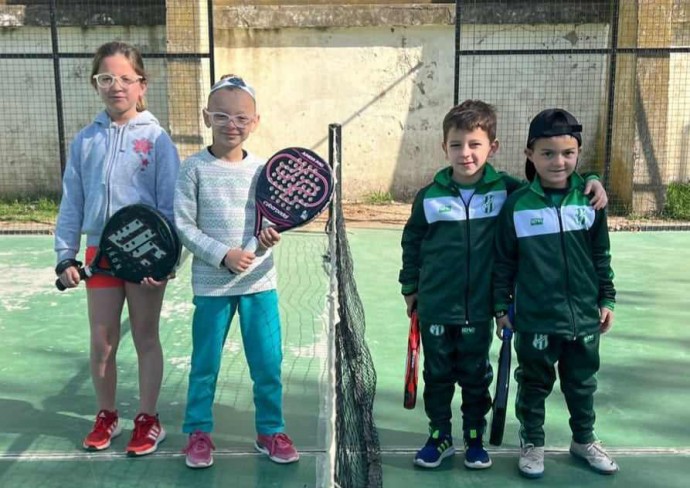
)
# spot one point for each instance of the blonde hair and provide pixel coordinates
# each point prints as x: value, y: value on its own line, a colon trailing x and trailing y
x: 128, y: 51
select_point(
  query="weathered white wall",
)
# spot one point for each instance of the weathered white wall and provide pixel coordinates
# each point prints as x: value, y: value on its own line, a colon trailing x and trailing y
x: 390, y: 88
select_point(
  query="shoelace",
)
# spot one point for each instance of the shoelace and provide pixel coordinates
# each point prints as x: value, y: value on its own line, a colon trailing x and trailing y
x: 102, y: 422
x: 596, y: 449
x: 142, y: 424
x: 281, y: 440
x: 199, y: 438
x: 530, y: 452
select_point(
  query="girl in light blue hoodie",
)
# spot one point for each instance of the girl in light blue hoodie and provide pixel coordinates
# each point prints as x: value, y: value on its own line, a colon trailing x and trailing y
x: 123, y: 157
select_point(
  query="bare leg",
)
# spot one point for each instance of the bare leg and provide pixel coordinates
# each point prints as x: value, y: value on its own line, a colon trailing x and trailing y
x: 144, y: 306
x: 105, y: 309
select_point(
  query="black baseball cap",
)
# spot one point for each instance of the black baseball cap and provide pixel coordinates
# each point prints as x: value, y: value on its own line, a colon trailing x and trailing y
x: 551, y: 122
x: 554, y: 122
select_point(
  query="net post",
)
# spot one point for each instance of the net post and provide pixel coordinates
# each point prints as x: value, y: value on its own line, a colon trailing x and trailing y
x: 334, y: 160
x: 326, y: 475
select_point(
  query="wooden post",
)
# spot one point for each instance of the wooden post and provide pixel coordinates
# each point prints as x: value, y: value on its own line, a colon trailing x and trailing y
x: 639, y: 151
x: 188, y: 78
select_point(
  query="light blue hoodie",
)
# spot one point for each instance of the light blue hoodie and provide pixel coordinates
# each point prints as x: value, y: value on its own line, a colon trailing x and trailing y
x: 111, y: 166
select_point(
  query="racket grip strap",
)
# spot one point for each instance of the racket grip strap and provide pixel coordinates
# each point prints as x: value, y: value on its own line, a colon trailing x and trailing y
x: 65, y: 264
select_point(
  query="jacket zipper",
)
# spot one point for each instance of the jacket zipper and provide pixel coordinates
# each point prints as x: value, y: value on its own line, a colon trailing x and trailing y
x: 567, y: 272
x: 467, y: 281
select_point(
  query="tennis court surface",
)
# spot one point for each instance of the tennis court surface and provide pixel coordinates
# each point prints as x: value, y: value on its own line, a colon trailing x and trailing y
x: 47, y: 402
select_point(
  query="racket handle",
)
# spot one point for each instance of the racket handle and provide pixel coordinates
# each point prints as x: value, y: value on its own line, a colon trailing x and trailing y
x: 252, y: 245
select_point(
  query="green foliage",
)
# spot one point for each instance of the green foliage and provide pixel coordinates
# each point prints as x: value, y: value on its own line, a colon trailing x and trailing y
x: 378, y: 197
x: 678, y: 201
x: 29, y: 210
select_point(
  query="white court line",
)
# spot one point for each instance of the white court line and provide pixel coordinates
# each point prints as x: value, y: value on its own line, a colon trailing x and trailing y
x: 163, y: 454
x: 109, y: 455
x: 557, y: 451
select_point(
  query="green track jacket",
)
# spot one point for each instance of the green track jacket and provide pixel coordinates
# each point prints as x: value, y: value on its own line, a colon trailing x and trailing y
x: 554, y: 261
x: 448, y: 248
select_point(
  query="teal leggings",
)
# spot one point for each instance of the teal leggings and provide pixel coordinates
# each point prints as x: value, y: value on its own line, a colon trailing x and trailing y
x: 260, y: 327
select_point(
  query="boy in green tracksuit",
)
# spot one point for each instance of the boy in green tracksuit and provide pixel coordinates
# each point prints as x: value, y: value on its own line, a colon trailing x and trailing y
x: 553, y: 263
x: 448, y: 246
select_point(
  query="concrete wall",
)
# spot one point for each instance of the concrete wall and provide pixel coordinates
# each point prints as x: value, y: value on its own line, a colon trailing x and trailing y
x: 29, y: 149
x: 390, y: 86
x: 385, y: 72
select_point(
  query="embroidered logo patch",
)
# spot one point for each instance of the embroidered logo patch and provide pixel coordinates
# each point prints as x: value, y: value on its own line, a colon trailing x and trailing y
x: 444, y: 209
x: 536, y: 221
x: 540, y: 342
x: 468, y: 330
x: 581, y: 217
x: 488, y: 204
x: 588, y: 339
x: 436, y: 330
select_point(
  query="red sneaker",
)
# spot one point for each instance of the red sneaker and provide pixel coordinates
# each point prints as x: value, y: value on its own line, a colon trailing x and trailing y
x: 107, y: 427
x: 146, y: 436
x: 278, y: 448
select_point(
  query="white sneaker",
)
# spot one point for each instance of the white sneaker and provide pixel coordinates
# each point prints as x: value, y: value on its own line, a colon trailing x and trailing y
x: 531, y: 463
x: 597, y: 457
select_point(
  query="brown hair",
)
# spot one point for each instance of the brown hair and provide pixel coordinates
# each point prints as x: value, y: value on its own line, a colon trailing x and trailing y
x: 471, y: 115
x: 128, y: 51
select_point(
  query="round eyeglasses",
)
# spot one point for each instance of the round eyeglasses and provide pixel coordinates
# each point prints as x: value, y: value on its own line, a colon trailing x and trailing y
x: 107, y: 80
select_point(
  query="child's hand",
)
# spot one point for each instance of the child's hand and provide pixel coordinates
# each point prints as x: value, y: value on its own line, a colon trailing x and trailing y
x: 411, y: 302
x: 151, y: 284
x: 605, y: 319
x: 268, y: 237
x: 70, y: 277
x: 237, y: 260
x: 599, y: 198
x: 502, y: 323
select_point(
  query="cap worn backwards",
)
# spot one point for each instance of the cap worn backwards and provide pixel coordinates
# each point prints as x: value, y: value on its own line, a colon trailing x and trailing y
x: 551, y: 123
x: 554, y: 122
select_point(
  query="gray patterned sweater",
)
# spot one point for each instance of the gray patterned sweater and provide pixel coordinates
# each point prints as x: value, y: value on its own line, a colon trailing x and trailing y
x: 215, y: 212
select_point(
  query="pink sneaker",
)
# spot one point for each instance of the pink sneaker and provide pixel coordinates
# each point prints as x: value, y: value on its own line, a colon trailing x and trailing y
x: 199, y: 450
x: 278, y: 448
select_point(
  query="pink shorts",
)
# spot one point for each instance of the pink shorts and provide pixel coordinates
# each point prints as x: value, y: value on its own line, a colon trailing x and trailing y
x: 99, y: 280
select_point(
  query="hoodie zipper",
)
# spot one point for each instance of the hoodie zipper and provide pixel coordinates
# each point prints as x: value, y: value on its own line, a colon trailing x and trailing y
x: 119, y: 130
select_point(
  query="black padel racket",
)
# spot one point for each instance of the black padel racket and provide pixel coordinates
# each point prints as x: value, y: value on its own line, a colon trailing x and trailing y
x: 412, y: 363
x: 500, y: 404
x: 137, y: 242
x: 293, y: 188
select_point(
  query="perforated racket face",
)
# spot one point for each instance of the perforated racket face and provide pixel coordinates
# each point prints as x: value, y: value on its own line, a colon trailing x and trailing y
x: 138, y: 241
x: 293, y: 188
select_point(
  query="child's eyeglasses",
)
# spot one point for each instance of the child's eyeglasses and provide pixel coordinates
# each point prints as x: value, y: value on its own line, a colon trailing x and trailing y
x: 107, y: 80
x: 220, y: 118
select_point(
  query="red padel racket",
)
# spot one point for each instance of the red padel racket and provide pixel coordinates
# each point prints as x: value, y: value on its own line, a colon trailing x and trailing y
x: 412, y: 363
x: 294, y: 187
x: 500, y: 404
x: 137, y: 242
